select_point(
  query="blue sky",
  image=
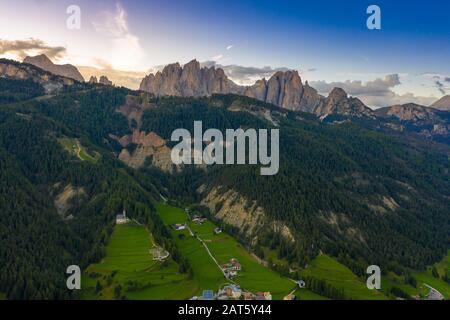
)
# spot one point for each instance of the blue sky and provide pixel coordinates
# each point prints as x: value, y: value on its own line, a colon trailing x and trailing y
x: 327, y: 41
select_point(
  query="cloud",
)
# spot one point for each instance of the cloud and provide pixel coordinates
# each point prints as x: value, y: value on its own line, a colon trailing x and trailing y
x: 376, y: 93
x: 22, y: 48
x: 129, y: 79
x: 230, y: 46
x: 217, y: 58
x: 243, y: 75
x: 447, y: 79
x: 126, y: 49
x: 248, y: 75
x: 112, y: 24
x: 393, y: 98
x: 377, y: 87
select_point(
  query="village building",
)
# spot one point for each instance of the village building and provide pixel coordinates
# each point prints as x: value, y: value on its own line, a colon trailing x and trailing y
x: 232, y: 291
x: 230, y: 274
x: 260, y: 296
x: 199, y: 220
x: 207, y: 295
x: 267, y: 295
x: 248, y: 296
x: 222, y: 296
x: 231, y: 268
x: 158, y: 253
x: 301, y: 284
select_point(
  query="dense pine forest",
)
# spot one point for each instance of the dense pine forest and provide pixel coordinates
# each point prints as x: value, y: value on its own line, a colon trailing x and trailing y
x: 328, y: 171
x: 38, y: 244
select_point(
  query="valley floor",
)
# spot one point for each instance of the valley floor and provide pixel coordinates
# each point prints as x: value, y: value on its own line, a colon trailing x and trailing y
x: 128, y: 270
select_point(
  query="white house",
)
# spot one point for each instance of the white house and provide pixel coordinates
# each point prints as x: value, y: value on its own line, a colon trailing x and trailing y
x: 122, y: 218
x: 179, y: 226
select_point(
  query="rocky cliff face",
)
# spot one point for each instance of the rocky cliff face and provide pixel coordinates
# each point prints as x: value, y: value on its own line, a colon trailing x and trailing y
x: 409, y: 112
x: 189, y: 80
x: 105, y: 81
x: 141, y: 148
x: 246, y: 216
x: 66, y: 70
x: 442, y: 104
x: 148, y: 146
x: 338, y: 102
x: 93, y: 80
x: 427, y: 121
x: 283, y: 89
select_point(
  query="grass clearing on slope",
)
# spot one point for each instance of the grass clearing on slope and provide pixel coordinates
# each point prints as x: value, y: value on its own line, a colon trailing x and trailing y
x: 426, y: 277
x: 305, y: 294
x: 422, y: 278
x: 74, y: 147
x: 326, y: 268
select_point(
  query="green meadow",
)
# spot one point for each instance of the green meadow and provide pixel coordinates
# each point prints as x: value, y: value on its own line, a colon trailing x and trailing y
x: 326, y: 268
x: 128, y: 264
x: 74, y: 147
x: 305, y: 294
x: 206, y: 272
x: 129, y: 272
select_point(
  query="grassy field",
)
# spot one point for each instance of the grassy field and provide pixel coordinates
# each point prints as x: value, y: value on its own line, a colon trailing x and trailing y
x: 86, y: 156
x: 206, y: 272
x: 422, y: 277
x: 305, y: 294
x: 2, y: 296
x: 331, y: 271
x: 253, y: 277
x: 128, y: 264
x: 444, y: 265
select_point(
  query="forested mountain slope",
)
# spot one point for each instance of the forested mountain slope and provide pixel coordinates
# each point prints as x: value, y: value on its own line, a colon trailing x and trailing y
x: 38, y: 242
x: 341, y: 188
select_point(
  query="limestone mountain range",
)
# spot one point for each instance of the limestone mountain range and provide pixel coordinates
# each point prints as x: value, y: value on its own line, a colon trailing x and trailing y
x: 284, y: 89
